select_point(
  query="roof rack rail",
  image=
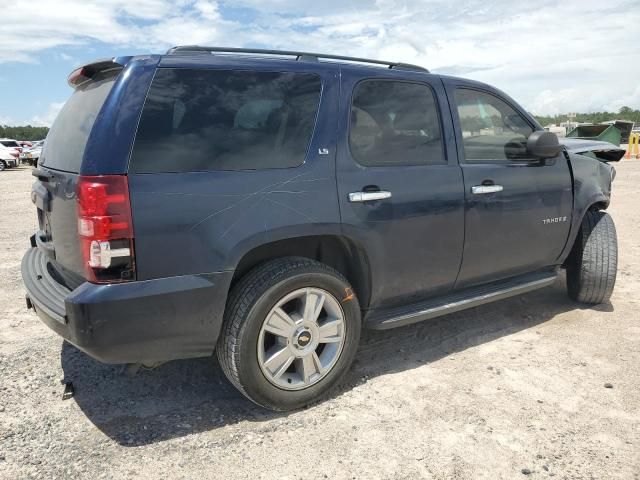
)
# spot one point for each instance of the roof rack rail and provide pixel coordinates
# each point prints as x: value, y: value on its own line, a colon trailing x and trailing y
x: 301, y: 56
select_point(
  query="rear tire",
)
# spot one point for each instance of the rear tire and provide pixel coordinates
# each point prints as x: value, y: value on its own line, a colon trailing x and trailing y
x: 283, y: 343
x: 593, y: 262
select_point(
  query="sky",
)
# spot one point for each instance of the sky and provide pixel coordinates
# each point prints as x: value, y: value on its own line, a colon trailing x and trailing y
x: 552, y: 57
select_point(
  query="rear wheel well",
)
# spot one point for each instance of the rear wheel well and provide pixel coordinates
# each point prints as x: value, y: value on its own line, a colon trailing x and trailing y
x: 336, y: 251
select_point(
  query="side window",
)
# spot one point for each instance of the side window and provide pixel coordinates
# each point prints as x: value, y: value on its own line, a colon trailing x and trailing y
x: 491, y: 129
x: 203, y: 120
x: 395, y: 123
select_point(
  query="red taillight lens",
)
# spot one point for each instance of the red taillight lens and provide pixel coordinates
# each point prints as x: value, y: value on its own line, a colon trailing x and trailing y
x: 105, y: 228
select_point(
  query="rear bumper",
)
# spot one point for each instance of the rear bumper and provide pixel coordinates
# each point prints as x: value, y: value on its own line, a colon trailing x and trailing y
x: 145, y: 321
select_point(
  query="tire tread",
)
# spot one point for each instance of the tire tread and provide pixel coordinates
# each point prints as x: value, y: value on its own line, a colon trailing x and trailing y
x: 242, y: 297
x: 591, y: 270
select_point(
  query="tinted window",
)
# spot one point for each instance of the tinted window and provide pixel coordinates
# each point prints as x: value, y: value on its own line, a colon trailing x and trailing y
x: 491, y: 129
x: 69, y: 133
x: 198, y: 120
x: 395, y: 123
x: 9, y: 143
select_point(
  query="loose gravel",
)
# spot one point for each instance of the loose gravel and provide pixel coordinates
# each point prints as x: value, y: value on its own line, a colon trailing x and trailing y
x: 508, y: 390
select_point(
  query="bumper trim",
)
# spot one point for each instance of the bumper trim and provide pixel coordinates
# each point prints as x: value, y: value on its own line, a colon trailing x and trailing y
x: 142, y: 321
x: 44, y: 293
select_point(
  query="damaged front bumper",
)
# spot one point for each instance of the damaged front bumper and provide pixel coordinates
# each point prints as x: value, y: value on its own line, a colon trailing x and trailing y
x: 603, y: 151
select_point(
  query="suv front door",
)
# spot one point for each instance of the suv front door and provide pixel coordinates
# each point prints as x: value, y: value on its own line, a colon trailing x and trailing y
x: 517, y: 209
x: 400, y: 187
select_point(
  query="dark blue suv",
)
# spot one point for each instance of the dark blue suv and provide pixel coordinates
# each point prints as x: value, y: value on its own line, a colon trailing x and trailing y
x: 266, y: 205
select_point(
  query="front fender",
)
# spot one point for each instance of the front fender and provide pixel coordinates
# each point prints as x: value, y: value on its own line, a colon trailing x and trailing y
x: 591, y: 187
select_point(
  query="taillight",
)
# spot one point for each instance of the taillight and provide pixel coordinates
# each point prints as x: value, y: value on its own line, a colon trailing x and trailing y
x: 77, y: 77
x: 105, y: 228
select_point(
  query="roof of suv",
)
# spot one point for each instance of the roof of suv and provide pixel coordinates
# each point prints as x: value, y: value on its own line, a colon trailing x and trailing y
x: 197, y: 50
x: 198, y: 55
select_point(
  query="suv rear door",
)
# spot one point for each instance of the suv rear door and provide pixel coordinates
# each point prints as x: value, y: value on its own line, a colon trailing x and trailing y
x: 518, y: 209
x: 395, y: 142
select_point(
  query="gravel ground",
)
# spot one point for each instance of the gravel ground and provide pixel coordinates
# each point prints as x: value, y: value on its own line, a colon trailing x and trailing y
x: 515, y: 389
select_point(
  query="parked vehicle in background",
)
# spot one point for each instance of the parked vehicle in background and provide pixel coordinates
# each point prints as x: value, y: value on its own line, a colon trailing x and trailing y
x: 268, y: 208
x: 9, y: 153
x: 32, y: 154
x: 559, y: 131
x: 25, y: 143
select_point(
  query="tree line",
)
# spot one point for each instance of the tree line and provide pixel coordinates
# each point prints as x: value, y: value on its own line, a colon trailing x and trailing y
x: 625, y: 113
x: 27, y: 132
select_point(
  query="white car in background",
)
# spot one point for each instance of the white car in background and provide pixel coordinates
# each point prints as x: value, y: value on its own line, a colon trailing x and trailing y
x: 31, y: 155
x: 10, y: 151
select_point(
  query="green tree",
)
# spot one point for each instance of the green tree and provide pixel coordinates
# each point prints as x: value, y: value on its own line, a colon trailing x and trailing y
x: 27, y: 132
x: 625, y: 113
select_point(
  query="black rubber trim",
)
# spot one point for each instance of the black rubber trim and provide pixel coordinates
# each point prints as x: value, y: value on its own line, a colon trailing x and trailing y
x: 44, y: 292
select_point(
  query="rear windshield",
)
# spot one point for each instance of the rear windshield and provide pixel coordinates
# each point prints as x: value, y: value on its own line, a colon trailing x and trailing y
x: 69, y: 133
x: 9, y: 143
x: 203, y: 120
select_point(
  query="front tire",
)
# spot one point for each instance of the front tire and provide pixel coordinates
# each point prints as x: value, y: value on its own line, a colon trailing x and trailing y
x: 3, y: 165
x: 593, y: 262
x: 291, y: 331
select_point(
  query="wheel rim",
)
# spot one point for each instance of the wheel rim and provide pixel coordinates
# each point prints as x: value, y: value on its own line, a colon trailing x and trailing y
x: 301, y: 338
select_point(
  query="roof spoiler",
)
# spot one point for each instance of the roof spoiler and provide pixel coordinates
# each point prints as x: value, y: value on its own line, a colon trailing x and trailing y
x: 87, y: 73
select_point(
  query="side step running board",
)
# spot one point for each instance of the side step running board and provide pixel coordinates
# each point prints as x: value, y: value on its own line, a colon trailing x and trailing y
x: 382, y: 320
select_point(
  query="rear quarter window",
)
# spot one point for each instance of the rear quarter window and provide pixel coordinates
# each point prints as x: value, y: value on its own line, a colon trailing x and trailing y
x: 205, y: 120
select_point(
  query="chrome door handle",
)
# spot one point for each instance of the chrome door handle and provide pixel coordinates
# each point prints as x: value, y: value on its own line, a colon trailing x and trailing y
x: 368, y: 196
x: 482, y: 189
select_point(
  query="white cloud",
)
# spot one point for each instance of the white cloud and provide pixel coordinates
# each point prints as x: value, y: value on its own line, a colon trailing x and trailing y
x: 49, y: 116
x: 7, y: 120
x: 550, y: 56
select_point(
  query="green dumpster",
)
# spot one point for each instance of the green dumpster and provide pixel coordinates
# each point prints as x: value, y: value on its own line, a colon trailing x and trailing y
x: 604, y: 133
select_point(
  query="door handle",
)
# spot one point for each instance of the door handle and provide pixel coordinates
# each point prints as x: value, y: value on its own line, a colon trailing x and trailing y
x: 355, y: 197
x: 483, y: 189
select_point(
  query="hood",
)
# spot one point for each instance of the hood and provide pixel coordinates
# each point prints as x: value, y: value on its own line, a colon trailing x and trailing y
x: 603, y: 151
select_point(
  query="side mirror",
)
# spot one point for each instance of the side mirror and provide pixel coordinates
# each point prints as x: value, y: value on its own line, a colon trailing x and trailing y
x: 543, y: 144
